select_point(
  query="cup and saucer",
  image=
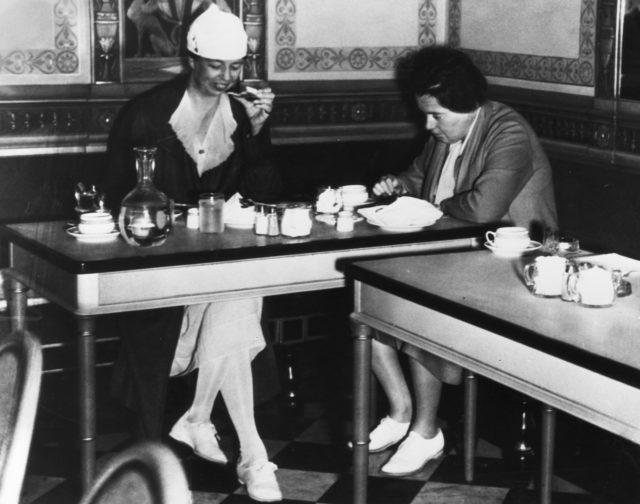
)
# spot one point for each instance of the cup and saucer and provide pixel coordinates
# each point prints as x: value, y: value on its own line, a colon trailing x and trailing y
x: 94, y: 227
x: 510, y: 242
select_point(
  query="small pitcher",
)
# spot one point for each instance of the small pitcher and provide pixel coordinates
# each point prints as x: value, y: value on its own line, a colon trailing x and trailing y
x: 593, y: 285
x: 544, y: 276
x: 297, y: 221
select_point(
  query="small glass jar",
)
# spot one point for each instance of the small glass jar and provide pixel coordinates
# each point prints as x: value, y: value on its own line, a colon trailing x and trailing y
x: 273, y: 226
x: 261, y: 220
x: 211, y: 212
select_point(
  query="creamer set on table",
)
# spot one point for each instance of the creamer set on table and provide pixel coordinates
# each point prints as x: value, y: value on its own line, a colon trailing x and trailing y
x: 213, y: 213
x: 560, y: 272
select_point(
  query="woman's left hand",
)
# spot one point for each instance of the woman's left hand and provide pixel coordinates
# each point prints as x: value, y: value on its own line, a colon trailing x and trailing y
x: 259, y: 109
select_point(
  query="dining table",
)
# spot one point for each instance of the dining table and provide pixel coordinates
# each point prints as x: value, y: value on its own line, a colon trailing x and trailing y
x: 474, y: 309
x: 93, y: 278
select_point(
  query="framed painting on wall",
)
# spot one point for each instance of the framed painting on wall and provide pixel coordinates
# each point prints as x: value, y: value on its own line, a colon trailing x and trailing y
x: 56, y: 47
x: 154, y: 35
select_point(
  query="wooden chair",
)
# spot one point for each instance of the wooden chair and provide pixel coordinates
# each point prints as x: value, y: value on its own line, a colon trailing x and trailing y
x: 20, y: 377
x: 146, y: 473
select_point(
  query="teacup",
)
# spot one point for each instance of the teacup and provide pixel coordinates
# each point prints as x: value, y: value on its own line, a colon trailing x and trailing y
x: 353, y: 195
x: 593, y: 285
x: 545, y: 276
x: 510, y: 237
x: 96, y: 223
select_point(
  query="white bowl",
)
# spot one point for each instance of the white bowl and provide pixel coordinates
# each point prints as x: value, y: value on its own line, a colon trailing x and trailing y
x: 354, y: 195
x: 96, y: 223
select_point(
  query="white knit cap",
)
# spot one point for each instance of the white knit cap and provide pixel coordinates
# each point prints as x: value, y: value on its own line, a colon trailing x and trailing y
x: 218, y: 35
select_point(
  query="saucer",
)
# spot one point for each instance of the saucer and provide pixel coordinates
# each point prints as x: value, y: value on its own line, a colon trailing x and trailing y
x: 513, y: 252
x: 239, y: 224
x: 92, y: 237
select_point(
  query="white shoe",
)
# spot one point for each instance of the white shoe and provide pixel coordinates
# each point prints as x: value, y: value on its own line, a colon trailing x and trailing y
x: 387, y: 433
x: 413, y: 454
x: 260, y: 481
x: 201, y: 437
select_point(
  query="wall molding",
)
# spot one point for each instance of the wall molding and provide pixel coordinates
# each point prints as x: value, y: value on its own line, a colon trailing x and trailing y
x: 76, y: 125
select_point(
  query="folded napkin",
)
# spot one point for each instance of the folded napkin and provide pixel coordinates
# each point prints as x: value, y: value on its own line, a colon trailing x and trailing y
x: 329, y: 201
x: 235, y: 213
x: 404, y: 212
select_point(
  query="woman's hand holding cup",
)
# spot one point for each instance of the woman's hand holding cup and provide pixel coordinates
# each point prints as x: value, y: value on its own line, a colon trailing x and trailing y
x: 259, y: 107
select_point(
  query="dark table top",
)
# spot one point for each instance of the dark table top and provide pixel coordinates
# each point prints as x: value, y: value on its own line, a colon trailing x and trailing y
x: 50, y: 240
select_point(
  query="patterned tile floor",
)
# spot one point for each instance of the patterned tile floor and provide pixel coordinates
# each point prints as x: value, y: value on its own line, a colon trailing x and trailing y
x: 308, y: 443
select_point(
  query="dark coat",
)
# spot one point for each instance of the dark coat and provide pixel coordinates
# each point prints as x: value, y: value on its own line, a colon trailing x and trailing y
x: 149, y: 338
x: 502, y: 175
x: 145, y: 121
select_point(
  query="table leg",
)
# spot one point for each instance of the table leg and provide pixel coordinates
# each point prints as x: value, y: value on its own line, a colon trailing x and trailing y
x: 17, y: 304
x: 470, y: 408
x: 87, y: 398
x: 548, y: 438
x: 361, y: 406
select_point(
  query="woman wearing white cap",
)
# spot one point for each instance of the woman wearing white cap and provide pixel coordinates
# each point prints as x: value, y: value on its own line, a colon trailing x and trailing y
x: 207, y: 141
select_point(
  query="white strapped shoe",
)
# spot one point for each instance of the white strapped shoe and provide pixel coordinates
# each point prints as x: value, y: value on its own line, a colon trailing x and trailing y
x: 387, y: 433
x: 201, y: 437
x: 413, y: 454
x: 261, y: 482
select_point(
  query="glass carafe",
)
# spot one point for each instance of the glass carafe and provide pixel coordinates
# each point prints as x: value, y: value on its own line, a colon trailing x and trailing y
x: 145, y: 213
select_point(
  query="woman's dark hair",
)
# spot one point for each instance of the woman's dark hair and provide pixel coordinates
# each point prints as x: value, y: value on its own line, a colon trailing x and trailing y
x: 445, y: 73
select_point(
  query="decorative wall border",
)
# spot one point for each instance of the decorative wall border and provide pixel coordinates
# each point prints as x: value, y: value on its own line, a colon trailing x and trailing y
x: 81, y: 123
x: 63, y: 59
x: 572, y: 71
x: 291, y: 58
x: 84, y: 124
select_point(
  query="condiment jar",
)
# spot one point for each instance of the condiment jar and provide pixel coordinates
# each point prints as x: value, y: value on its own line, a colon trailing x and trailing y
x: 344, y: 224
x: 193, y: 218
x: 297, y: 221
x: 261, y: 220
x: 273, y: 226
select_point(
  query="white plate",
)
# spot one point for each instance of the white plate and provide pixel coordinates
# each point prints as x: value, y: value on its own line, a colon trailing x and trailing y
x: 399, y: 229
x: 503, y: 252
x: 92, y: 238
x: 240, y: 224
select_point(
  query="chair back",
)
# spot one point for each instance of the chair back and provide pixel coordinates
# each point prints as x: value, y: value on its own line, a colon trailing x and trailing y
x: 20, y: 378
x: 146, y: 473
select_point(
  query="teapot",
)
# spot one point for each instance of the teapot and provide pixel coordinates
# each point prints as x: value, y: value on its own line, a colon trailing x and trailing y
x: 592, y: 285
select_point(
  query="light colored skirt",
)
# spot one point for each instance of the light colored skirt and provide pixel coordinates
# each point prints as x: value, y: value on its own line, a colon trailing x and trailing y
x: 214, y: 330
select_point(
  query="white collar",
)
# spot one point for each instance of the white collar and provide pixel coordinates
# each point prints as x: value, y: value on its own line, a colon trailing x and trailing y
x: 217, y: 144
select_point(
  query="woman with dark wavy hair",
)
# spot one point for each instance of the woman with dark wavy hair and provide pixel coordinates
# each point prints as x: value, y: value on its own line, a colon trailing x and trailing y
x: 481, y: 163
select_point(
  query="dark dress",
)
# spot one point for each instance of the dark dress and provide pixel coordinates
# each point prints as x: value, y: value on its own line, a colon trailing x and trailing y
x: 149, y: 338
